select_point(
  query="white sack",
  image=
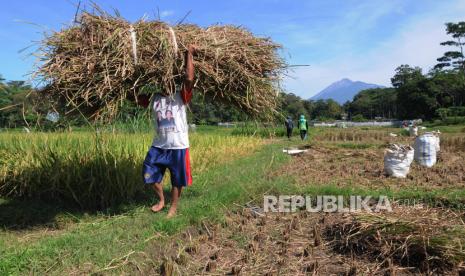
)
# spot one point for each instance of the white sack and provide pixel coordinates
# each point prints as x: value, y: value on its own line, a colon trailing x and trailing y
x: 413, y: 131
x: 397, y: 160
x: 426, y: 147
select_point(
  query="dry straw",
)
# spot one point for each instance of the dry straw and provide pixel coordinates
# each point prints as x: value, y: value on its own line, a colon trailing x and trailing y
x: 94, y: 63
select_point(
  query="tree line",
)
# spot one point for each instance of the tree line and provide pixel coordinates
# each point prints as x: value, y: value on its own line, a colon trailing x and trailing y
x: 438, y: 94
x: 15, y: 105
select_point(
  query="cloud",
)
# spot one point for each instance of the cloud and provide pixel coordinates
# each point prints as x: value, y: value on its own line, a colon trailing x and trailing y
x: 340, y: 29
x: 365, y: 15
x: 415, y: 43
x: 166, y: 13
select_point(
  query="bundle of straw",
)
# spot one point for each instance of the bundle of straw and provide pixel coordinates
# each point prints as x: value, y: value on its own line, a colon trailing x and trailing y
x: 98, y: 63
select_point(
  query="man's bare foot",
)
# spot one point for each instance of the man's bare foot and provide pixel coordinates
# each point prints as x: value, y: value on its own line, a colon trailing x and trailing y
x: 171, y: 212
x: 157, y: 207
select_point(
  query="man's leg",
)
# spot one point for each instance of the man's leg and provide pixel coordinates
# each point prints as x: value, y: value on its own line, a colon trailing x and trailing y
x: 302, y: 134
x: 158, y: 188
x: 180, y: 177
x: 152, y: 172
x: 175, y: 194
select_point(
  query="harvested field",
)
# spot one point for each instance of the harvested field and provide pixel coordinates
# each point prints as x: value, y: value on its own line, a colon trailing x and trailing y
x: 251, y: 243
x: 452, y: 141
x: 335, y: 164
x: 356, y: 135
x: 428, y: 239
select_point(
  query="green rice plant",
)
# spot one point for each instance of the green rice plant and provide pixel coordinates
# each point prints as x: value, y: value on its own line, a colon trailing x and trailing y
x: 95, y: 170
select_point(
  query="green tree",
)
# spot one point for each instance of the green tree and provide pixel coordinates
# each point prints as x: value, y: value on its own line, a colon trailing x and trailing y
x: 452, y: 87
x: 376, y: 102
x: 207, y: 111
x: 18, y: 104
x: 326, y: 109
x: 404, y: 74
x: 358, y: 118
x: 293, y: 106
x: 418, y: 99
x: 453, y: 60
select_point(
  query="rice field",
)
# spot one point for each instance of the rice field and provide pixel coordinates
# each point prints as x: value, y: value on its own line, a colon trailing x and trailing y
x: 96, y: 170
x: 218, y: 230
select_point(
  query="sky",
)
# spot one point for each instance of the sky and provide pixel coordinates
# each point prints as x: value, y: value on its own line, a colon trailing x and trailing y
x: 361, y: 40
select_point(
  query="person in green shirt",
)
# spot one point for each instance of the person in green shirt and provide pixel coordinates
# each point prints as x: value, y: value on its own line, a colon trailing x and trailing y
x: 303, y: 127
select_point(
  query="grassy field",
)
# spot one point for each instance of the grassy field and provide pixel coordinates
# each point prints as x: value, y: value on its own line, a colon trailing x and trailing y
x: 93, y: 216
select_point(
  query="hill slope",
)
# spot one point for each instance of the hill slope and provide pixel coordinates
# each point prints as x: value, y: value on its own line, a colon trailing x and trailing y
x: 343, y: 90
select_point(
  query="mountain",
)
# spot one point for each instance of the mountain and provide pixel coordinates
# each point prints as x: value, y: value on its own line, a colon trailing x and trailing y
x: 343, y: 90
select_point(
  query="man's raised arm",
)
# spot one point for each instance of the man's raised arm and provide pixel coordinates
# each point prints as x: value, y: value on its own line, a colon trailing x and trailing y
x: 188, y: 85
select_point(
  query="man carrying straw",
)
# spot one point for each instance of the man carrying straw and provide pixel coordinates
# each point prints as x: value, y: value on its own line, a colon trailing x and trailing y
x: 170, y: 148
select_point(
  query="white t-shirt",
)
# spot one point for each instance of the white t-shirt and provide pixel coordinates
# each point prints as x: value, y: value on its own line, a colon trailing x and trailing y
x: 170, y: 122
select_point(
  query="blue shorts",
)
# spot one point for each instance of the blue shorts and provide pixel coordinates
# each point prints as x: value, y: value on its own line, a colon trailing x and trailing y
x: 176, y: 160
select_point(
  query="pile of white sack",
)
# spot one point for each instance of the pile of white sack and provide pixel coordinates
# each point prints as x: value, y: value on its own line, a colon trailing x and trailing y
x: 397, y: 160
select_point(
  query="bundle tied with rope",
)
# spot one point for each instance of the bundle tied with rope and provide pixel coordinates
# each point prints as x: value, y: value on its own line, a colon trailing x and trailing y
x: 102, y: 60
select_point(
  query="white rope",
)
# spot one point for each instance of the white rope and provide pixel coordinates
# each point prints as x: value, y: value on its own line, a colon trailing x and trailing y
x: 134, y: 43
x: 175, y: 42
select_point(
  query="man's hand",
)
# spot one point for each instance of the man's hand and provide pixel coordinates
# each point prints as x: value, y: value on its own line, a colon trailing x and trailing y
x: 192, y: 49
